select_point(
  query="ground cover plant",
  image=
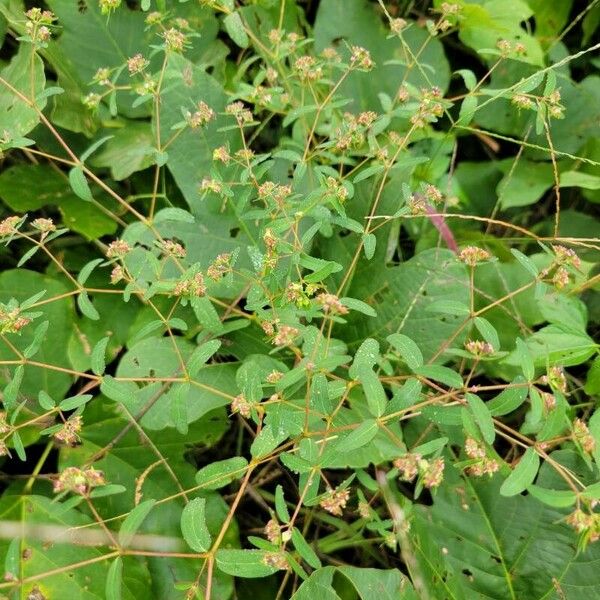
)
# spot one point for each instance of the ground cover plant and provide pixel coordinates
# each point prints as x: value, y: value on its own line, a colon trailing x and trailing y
x: 299, y: 299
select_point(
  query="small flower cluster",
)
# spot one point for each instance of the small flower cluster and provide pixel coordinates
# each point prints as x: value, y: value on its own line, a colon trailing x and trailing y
x: 203, y: 115
x: 331, y: 304
x: 556, y: 378
x: 68, y: 434
x: 277, y: 560
x: 219, y: 267
x: 108, y: 6
x: 174, y: 40
x: 308, y: 69
x: 430, y: 108
x: 274, y: 192
x: 191, y: 286
x: 118, y: 249
x: 79, y: 481
x: 44, y: 226
x: 351, y: 133
x: 507, y: 48
x: 448, y: 16
x: 242, y: 114
x: 472, y: 255
x: 479, y: 348
x: 412, y: 465
x: 136, y: 64
x: 553, y: 105
x: 240, y: 405
x: 285, y: 336
x: 482, y: 465
x: 360, y: 58
x: 11, y: 318
x: 9, y: 226
x: 38, y: 25
x: 582, y: 435
x: 335, y: 500
x: 172, y: 249
x: 587, y: 524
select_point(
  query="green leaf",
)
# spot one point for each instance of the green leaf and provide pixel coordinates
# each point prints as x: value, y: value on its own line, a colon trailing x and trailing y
x: 244, y: 563
x: 522, y: 475
x: 358, y: 438
x: 86, y: 307
x: 408, y: 350
x: 488, y: 331
x: 38, y: 338
x: 281, y: 506
x: 201, y: 355
x: 525, y: 262
x: 304, y: 549
x: 235, y: 29
x: 114, y: 580
x: 483, y: 418
x: 441, y: 374
x: 509, y: 399
x: 220, y: 473
x: 525, y: 360
x: 359, y: 305
x: 133, y: 521
x: 74, y: 402
x: 179, y: 408
x: 25, y: 73
x: 403, y: 296
x: 556, y: 498
x: 79, y: 184
x: 98, y: 356
x: 193, y: 525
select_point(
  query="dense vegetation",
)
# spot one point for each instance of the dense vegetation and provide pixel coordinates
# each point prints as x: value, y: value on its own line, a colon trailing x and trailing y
x: 298, y: 299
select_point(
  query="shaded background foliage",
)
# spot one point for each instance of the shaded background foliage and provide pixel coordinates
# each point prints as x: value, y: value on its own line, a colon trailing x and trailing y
x: 425, y: 291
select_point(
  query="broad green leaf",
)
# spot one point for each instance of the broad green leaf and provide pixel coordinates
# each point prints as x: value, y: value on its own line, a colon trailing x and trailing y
x: 441, y: 374
x: 133, y: 521
x: 403, y: 295
x: 244, y: 563
x: 193, y: 525
x: 79, y: 184
x: 235, y: 29
x: 483, y: 418
x: 361, y: 436
x: 509, y: 399
x: 114, y: 580
x: 220, y: 473
x: 25, y: 74
x: 46, y: 187
x: 522, y: 475
x: 304, y: 549
x: 408, y: 350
